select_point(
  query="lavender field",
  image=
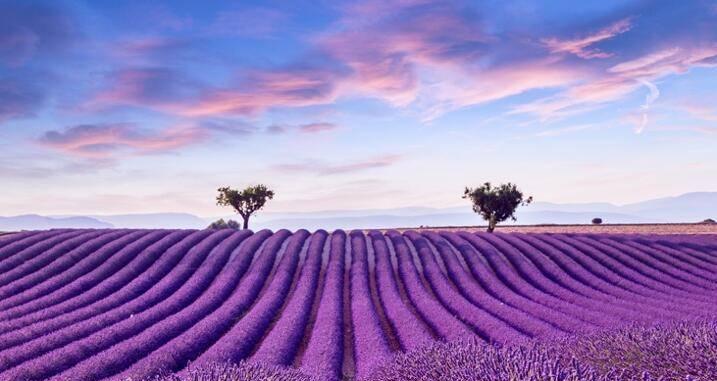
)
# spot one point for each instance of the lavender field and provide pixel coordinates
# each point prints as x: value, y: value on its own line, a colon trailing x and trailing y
x: 134, y: 304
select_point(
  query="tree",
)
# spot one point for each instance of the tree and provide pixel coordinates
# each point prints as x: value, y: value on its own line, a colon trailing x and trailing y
x: 245, y: 202
x: 221, y: 224
x: 597, y: 221
x: 496, y: 204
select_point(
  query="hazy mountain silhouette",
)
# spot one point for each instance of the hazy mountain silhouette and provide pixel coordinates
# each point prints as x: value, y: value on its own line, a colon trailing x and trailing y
x: 36, y: 222
x: 690, y: 207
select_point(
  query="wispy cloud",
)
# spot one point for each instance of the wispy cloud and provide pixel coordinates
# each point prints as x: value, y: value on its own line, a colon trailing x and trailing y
x: 701, y: 111
x: 652, y: 96
x: 158, y: 87
x: 326, y: 169
x: 700, y: 129
x: 429, y: 57
x: 620, y: 80
x: 102, y: 141
x: 313, y: 128
x: 308, y: 128
x: 263, y: 90
x: 580, y: 46
x: 566, y: 130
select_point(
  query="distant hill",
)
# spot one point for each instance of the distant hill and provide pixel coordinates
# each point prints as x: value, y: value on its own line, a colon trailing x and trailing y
x: 36, y: 222
x: 690, y: 207
x: 154, y: 220
x: 438, y: 219
x: 695, y: 206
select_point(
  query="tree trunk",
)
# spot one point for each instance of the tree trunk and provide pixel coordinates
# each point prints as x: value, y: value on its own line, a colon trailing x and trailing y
x: 246, y: 221
x: 491, y: 225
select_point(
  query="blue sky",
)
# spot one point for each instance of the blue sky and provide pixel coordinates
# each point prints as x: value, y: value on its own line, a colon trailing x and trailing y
x: 123, y: 107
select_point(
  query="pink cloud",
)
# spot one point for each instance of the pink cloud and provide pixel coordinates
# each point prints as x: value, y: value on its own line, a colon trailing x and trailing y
x: 388, y: 53
x: 264, y: 90
x: 157, y: 87
x: 699, y: 111
x: 620, y: 80
x: 146, y: 47
x: 579, y: 46
x: 324, y: 169
x: 436, y: 57
x: 428, y: 57
x: 104, y: 141
x: 313, y: 128
x: 667, y: 61
x: 461, y: 89
x: 700, y: 129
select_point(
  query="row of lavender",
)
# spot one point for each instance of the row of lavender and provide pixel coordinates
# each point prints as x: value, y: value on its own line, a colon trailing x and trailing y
x: 115, y: 304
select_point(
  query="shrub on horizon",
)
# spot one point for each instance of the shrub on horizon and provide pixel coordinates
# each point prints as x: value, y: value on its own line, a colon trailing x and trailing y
x: 597, y: 221
x: 221, y: 224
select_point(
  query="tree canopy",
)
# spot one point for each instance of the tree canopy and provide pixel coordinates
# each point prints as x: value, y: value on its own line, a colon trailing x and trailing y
x: 245, y: 202
x: 496, y: 204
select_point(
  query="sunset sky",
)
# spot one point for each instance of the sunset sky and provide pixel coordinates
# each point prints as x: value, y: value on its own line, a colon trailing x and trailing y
x: 137, y: 106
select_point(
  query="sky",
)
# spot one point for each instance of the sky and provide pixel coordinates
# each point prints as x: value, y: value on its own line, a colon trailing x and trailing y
x: 113, y: 107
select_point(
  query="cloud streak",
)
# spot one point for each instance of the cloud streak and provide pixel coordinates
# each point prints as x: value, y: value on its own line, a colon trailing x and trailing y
x: 651, y: 97
x: 619, y: 81
x: 325, y: 169
x: 103, y: 141
x: 580, y: 46
x: 428, y: 57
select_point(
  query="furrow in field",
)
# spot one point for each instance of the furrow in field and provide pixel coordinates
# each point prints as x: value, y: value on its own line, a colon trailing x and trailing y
x: 482, y: 264
x: 557, y: 284
x: 678, y: 261
x: 61, y: 349
x: 410, y: 329
x: 76, y: 263
x: 240, y: 340
x: 441, y: 321
x: 282, y: 343
x: 591, y: 272
x: 472, y: 291
x: 526, y: 279
x: 370, y: 344
x: 324, y: 354
x: 629, y: 271
x: 545, y: 263
x: 229, y: 295
x: 81, y: 279
x: 488, y: 326
x: 93, y: 305
x: 636, y: 263
x: 128, y: 283
x: 18, y: 242
x: 39, y: 254
x: 163, y: 321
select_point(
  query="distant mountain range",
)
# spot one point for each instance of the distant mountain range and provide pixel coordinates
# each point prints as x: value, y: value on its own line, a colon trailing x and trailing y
x: 690, y: 207
x: 36, y: 222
